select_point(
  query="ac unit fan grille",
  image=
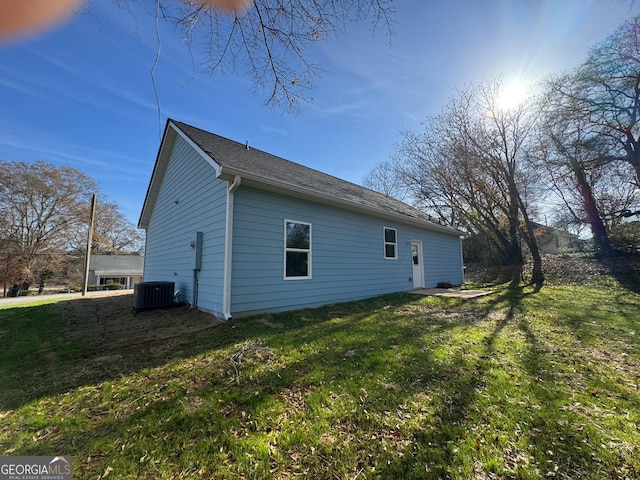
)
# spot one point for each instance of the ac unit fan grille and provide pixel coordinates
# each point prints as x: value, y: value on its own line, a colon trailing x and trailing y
x: 152, y: 295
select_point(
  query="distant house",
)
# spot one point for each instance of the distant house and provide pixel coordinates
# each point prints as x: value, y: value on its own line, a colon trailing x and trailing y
x: 555, y: 241
x: 241, y: 231
x: 123, y: 269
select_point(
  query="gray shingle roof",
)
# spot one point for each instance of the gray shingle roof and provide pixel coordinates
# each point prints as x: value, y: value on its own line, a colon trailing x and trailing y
x: 236, y: 159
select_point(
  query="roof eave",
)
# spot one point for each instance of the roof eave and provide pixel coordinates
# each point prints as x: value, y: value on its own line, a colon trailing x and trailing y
x: 118, y: 273
x: 249, y: 179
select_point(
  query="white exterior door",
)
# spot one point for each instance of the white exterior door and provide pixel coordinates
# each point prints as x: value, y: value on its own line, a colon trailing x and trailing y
x: 417, y: 264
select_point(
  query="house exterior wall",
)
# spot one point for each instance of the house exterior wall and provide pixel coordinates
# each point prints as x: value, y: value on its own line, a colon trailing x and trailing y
x: 133, y: 280
x: 190, y: 199
x: 554, y: 242
x: 347, y: 255
x: 92, y: 280
x: 128, y: 281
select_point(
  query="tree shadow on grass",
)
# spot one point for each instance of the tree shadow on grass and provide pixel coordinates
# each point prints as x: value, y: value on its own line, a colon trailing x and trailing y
x: 565, y: 433
x: 343, y: 354
x: 452, y: 388
x: 54, y: 348
x: 550, y: 438
x: 562, y: 436
x: 308, y: 393
x: 626, y: 270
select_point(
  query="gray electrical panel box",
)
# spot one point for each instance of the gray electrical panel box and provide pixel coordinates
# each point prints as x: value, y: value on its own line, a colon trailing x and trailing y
x: 197, y: 251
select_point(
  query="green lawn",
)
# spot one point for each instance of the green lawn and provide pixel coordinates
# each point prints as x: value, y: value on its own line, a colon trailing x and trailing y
x: 517, y: 384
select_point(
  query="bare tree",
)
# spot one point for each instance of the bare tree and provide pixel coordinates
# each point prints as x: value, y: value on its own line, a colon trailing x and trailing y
x: 385, y: 178
x: 41, y: 210
x: 44, y: 220
x: 617, y: 195
x: 424, y: 163
x: 592, y: 136
x: 469, y: 166
x: 499, y: 137
x: 112, y: 231
x: 570, y: 150
x: 269, y: 41
x: 606, y: 91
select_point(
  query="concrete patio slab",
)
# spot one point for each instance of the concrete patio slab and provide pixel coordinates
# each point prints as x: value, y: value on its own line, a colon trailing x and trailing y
x: 451, y: 292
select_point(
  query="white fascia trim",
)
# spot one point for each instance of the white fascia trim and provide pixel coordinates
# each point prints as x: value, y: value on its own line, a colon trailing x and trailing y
x: 166, y: 146
x: 118, y: 273
x: 193, y: 145
x: 331, y: 200
x: 228, y: 249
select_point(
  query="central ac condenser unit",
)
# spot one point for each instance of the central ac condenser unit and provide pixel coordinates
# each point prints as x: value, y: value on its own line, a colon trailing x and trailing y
x: 152, y: 295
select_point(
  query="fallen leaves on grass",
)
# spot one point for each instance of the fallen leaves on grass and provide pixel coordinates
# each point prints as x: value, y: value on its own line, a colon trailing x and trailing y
x: 247, y: 355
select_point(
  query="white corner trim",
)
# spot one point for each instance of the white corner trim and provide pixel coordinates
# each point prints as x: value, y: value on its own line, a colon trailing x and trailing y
x: 462, y: 259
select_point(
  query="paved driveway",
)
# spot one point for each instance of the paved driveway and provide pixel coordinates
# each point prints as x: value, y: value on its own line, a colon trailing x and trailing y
x: 70, y: 296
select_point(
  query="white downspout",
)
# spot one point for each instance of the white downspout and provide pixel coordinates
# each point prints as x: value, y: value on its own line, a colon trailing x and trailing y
x: 461, y: 259
x: 228, y: 249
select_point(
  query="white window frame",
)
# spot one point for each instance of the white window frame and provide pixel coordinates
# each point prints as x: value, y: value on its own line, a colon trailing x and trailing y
x: 302, y: 250
x: 385, y: 243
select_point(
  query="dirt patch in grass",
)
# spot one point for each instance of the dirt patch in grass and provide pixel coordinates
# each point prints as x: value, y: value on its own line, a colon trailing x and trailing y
x: 109, y: 324
x: 74, y: 342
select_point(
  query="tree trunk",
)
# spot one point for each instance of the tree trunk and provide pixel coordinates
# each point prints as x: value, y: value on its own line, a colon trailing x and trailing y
x: 515, y: 249
x: 635, y: 163
x: 598, y: 229
x: 537, y: 277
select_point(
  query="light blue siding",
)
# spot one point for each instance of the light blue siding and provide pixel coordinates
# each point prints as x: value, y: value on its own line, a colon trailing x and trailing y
x: 442, y: 259
x: 347, y: 255
x: 190, y: 199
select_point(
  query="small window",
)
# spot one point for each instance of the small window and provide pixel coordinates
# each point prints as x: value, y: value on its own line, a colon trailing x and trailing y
x: 414, y: 254
x: 390, y: 243
x: 297, y: 250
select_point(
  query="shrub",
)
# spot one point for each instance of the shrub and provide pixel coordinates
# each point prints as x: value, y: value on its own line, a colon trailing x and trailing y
x: 626, y: 238
x: 107, y: 286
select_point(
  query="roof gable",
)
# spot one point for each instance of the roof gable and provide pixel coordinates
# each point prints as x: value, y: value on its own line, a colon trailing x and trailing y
x: 236, y: 158
x: 171, y: 132
x: 265, y: 170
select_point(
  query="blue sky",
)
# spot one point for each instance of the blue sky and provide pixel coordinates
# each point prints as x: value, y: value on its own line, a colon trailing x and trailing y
x: 81, y: 94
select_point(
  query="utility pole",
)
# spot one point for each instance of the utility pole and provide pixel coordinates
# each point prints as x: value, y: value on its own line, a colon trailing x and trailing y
x: 87, y: 257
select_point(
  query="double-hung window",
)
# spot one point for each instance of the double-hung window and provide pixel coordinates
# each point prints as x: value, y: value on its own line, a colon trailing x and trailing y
x: 297, y: 250
x: 390, y: 243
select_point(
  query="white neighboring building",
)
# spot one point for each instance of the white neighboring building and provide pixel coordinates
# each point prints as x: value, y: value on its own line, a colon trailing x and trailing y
x: 123, y: 269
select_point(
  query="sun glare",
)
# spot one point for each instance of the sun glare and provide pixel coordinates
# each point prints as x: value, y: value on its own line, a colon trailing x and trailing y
x: 512, y: 94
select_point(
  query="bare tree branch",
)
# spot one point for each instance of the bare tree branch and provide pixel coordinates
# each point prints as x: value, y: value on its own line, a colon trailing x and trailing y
x: 270, y: 41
